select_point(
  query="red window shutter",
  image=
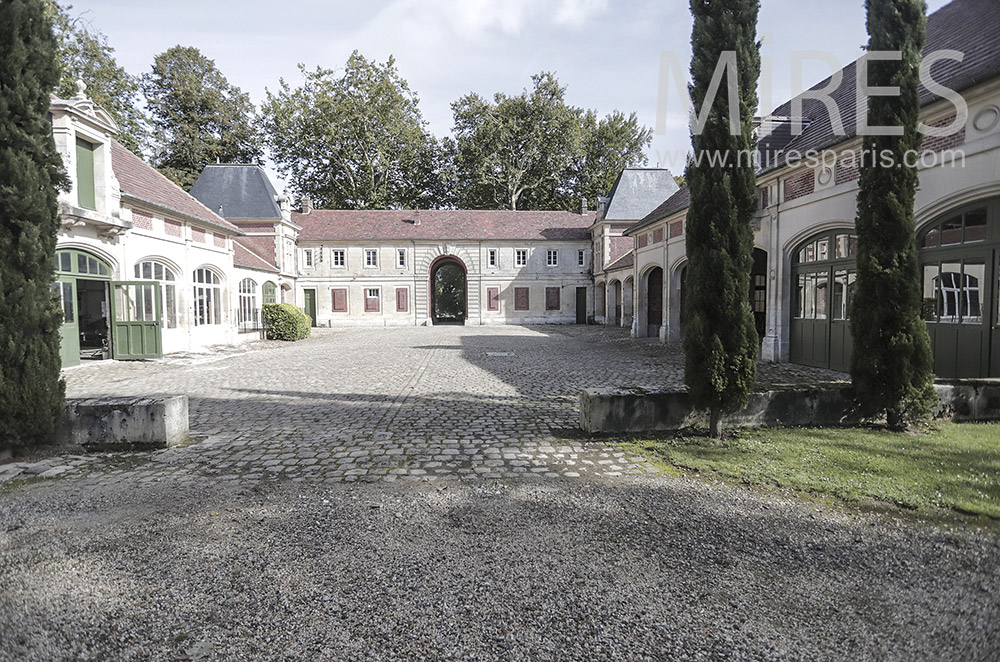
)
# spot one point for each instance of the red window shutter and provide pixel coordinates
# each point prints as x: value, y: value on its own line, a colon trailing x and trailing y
x: 551, y: 298
x: 340, y: 300
x: 521, y: 300
x: 493, y: 298
x: 371, y: 303
x: 402, y: 299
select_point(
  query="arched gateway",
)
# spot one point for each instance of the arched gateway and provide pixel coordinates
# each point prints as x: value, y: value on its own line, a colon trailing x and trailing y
x: 449, y: 291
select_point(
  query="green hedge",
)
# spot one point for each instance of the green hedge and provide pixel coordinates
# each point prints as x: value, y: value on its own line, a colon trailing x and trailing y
x: 284, y: 321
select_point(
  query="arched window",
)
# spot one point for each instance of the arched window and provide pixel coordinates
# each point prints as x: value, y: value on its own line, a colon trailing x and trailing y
x: 155, y: 270
x: 248, y: 312
x: 207, y: 298
x: 270, y: 292
x: 954, y: 268
x: 823, y: 278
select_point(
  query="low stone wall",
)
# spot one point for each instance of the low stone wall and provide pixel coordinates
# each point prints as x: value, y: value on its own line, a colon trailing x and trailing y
x: 100, y: 424
x: 612, y: 410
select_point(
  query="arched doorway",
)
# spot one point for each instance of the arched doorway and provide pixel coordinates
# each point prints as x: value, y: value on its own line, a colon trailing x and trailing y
x: 81, y: 283
x: 615, y: 307
x: 824, y: 270
x: 448, y: 291
x: 654, y: 302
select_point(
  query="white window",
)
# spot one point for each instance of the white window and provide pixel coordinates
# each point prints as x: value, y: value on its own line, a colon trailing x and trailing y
x: 401, y: 258
x: 492, y: 257
x: 153, y: 270
x: 207, y: 298
x: 307, y: 258
x: 581, y: 258
x: 248, y: 315
x: 371, y: 258
x: 552, y: 258
x: 339, y: 258
x: 521, y: 257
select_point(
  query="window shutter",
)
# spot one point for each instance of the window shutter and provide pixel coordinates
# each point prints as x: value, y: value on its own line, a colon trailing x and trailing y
x: 86, y: 197
x: 493, y: 298
x: 551, y: 298
x: 340, y: 300
x: 521, y: 300
x: 402, y: 299
x: 371, y: 304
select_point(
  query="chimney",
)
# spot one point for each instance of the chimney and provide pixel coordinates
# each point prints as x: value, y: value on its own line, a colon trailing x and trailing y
x: 583, y: 206
x: 602, y: 204
x: 306, y: 204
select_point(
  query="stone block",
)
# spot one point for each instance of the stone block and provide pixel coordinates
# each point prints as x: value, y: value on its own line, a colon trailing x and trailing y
x: 610, y: 410
x: 100, y: 424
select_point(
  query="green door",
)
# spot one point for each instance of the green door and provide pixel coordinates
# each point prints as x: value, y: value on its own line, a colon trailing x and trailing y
x: 310, y: 304
x: 136, y: 325
x: 69, y: 333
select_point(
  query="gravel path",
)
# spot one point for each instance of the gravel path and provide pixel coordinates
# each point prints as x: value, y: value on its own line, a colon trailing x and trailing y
x: 645, y: 568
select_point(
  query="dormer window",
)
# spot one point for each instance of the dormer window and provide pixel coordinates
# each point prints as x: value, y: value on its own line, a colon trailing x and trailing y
x: 86, y: 195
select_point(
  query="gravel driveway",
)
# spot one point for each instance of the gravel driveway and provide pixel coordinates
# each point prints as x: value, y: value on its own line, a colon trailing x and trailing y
x: 646, y: 568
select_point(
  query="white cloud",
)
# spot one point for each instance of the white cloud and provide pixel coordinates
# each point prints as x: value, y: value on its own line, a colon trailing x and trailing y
x: 577, y: 13
x: 471, y: 19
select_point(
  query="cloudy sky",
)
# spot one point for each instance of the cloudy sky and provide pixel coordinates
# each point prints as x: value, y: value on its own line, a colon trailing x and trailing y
x: 608, y: 53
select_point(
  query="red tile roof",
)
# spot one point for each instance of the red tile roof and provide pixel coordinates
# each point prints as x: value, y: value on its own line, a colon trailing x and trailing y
x: 677, y: 202
x: 244, y: 256
x: 624, y: 262
x: 144, y: 183
x: 443, y: 225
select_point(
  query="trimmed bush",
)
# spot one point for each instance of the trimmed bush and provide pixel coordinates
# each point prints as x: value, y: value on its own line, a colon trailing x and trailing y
x: 284, y: 321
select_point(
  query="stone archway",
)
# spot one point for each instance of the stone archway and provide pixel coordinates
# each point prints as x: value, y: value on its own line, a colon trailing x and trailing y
x: 449, y: 291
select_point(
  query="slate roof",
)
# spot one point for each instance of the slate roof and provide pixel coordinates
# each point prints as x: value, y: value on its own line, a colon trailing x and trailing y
x: 244, y: 256
x: 624, y: 262
x: 443, y: 225
x: 140, y: 181
x: 637, y: 191
x: 236, y: 190
x: 971, y: 27
x: 677, y: 202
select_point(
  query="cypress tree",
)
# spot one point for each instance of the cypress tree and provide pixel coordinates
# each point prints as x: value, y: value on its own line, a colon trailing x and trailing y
x: 31, y: 392
x: 892, y: 363
x: 720, y: 339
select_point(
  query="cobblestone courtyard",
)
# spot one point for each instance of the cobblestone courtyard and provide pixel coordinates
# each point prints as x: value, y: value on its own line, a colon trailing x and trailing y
x: 401, y: 403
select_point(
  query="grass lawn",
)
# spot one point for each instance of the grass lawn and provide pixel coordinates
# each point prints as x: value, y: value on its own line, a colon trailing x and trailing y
x: 954, y: 466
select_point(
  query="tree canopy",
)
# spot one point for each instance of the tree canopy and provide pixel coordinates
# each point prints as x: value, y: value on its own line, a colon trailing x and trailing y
x: 198, y: 116
x: 355, y: 139
x: 536, y: 151
x: 84, y: 54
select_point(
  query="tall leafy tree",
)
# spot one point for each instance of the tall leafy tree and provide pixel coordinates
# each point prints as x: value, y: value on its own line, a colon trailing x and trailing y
x: 536, y: 151
x: 892, y: 363
x: 198, y: 116
x: 607, y: 146
x: 720, y: 339
x: 514, y: 152
x: 354, y: 140
x: 84, y: 54
x: 30, y: 171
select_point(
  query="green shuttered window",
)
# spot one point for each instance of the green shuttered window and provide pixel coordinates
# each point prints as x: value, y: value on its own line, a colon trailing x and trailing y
x: 86, y: 197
